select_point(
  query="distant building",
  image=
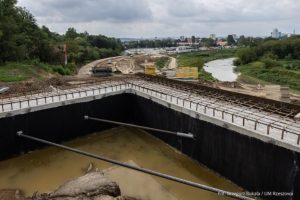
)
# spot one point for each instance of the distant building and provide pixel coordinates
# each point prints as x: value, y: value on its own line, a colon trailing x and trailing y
x: 291, y: 34
x: 212, y: 36
x: 183, y: 41
x: 276, y: 34
x: 221, y: 43
x: 235, y: 37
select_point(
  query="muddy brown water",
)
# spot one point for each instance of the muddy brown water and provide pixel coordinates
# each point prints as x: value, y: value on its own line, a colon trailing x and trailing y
x: 44, y: 170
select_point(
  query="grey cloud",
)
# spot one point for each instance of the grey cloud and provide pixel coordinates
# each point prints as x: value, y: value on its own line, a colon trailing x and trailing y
x: 131, y: 18
x: 91, y: 10
x: 182, y: 8
x: 234, y: 10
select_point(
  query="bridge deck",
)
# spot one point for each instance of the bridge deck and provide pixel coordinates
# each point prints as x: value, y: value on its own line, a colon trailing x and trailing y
x: 275, y: 123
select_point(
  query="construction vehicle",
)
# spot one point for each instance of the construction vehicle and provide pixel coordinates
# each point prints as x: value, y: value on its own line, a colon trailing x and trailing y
x: 102, y: 71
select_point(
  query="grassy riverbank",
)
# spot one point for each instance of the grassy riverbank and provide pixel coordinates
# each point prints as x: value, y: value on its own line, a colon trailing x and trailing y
x: 282, y: 72
x: 198, y: 59
x: 273, y: 61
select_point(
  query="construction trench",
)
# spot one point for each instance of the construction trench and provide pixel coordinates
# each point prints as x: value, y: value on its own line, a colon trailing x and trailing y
x: 253, y: 142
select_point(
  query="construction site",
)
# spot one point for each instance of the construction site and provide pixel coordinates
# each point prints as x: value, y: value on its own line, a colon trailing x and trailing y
x: 149, y: 100
x: 236, y: 135
x: 122, y: 66
x: 238, y: 131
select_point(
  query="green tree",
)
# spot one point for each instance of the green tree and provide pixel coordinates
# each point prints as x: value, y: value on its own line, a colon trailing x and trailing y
x: 193, y: 39
x: 22, y: 39
x: 241, y: 41
x: 8, y: 29
x: 246, y: 55
x: 71, y: 33
x: 208, y: 42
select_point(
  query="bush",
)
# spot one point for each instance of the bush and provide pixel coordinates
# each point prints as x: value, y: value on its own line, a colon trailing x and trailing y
x: 204, y: 55
x: 61, y: 70
x: 269, y: 63
x: 271, y: 56
x: 71, y: 67
x: 162, y: 62
x: 237, y: 62
x: 246, y: 55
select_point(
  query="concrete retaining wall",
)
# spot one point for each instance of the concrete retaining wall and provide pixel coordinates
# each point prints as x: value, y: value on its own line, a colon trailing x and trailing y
x: 249, y: 162
x: 60, y: 123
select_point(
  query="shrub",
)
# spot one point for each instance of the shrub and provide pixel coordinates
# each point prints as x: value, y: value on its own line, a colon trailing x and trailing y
x: 237, y: 62
x: 246, y: 55
x: 269, y: 63
x: 71, y: 67
x: 204, y: 55
x: 271, y: 56
x: 61, y: 70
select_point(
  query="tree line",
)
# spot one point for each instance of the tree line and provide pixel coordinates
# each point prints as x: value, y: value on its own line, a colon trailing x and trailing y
x: 198, y: 42
x: 271, y: 49
x: 22, y: 39
x: 158, y: 43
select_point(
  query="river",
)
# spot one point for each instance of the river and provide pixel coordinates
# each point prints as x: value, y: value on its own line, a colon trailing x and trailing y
x: 222, y: 69
x: 44, y: 170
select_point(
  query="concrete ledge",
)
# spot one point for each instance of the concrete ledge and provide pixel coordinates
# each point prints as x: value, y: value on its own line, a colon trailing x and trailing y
x: 57, y: 104
x: 191, y: 113
x: 217, y: 122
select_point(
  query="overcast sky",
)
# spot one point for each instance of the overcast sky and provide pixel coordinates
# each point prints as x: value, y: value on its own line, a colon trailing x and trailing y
x: 163, y: 18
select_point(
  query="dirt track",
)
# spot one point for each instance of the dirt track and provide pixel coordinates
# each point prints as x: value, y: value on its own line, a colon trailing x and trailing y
x: 85, y: 71
x: 173, y: 63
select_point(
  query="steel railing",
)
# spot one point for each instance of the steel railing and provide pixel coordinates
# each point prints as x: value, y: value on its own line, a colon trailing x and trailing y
x: 229, y: 114
x: 58, y: 96
x: 189, y: 104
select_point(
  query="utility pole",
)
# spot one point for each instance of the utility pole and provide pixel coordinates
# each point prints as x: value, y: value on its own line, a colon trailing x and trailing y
x: 65, y: 55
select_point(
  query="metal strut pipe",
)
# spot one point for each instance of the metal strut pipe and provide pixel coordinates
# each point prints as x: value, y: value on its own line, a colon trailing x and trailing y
x: 179, y: 134
x: 139, y: 169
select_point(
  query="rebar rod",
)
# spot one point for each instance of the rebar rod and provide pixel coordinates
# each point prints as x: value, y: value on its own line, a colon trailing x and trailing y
x: 186, y: 135
x: 140, y: 169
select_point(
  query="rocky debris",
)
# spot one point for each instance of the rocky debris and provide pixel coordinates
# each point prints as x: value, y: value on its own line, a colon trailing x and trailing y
x: 11, y: 195
x: 92, y: 186
x: 3, y: 90
x: 89, y: 168
x: 297, y: 117
x: 126, y: 198
x: 233, y: 84
x: 34, y: 86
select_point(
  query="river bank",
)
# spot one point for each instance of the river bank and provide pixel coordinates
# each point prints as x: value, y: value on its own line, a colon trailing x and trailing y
x: 198, y: 59
x: 284, y: 72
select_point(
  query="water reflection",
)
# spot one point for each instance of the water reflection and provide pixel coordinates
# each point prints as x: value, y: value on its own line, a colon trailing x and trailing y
x: 222, y: 69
